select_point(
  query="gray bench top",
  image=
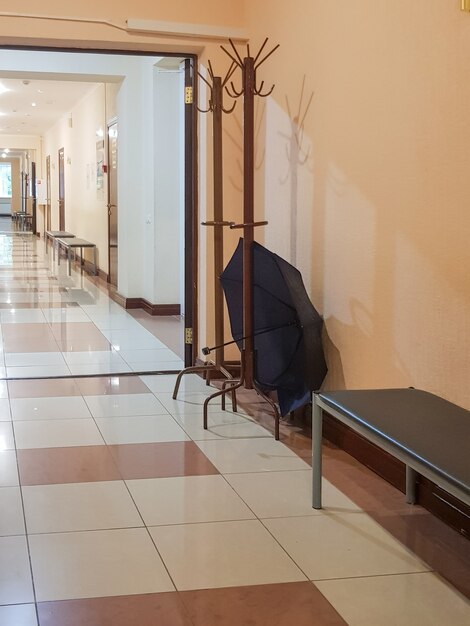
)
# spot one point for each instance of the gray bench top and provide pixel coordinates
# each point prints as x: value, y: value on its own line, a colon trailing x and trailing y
x: 426, y: 427
x: 76, y: 243
x: 58, y: 233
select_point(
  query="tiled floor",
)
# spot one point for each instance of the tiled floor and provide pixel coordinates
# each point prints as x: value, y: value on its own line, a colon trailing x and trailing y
x: 119, y: 509
x: 55, y: 325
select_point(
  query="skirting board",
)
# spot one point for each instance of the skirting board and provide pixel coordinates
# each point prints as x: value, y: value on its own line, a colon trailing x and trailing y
x: 142, y: 303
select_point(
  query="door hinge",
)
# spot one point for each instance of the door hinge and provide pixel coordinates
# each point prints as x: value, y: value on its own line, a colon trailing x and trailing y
x: 188, y: 95
x: 188, y: 335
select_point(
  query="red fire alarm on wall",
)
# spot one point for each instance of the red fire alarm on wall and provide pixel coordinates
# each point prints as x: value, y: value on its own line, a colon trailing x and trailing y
x: 105, y: 168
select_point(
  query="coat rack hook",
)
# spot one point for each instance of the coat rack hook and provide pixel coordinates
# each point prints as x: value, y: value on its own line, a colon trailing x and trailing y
x: 228, y: 111
x: 267, y: 56
x: 236, y: 52
x: 260, y: 51
x: 234, y: 59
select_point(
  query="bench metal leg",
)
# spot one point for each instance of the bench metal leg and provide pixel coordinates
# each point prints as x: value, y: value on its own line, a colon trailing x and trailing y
x: 69, y: 257
x: 317, y: 419
x: 410, y: 485
x: 94, y: 261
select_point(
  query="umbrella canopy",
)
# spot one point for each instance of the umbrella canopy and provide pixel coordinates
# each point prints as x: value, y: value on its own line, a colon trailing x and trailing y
x: 287, y: 329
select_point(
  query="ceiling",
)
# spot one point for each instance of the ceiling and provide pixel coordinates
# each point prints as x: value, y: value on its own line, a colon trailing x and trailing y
x: 52, y: 98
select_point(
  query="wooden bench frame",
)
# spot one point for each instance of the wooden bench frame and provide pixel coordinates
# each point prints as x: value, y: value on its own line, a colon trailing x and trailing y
x: 413, y: 465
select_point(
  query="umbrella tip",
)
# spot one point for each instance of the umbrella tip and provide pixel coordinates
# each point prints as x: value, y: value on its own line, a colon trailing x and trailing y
x: 206, y: 351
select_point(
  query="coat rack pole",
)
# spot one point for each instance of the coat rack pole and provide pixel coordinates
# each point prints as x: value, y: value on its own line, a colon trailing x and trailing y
x: 248, y: 216
x: 218, y: 217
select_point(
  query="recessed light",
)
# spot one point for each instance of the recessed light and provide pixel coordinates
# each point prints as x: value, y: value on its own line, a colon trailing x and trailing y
x: 33, y: 104
x: 40, y: 91
x: 3, y: 89
x: 4, y: 155
x: 7, y: 150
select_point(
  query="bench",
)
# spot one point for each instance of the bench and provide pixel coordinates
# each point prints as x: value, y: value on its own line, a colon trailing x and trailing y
x: 71, y: 244
x: 51, y: 235
x: 430, y: 435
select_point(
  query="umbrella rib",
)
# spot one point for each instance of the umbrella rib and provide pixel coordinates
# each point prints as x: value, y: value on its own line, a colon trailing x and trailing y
x: 291, y: 307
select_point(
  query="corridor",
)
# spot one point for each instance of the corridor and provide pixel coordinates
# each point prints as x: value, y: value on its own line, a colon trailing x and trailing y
x: 119, y: 509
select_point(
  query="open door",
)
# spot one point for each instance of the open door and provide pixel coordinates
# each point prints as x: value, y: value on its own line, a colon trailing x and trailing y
x: 112, y: 203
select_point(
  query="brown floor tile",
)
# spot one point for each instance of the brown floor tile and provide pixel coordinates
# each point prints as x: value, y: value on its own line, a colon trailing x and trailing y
x: 155, y: 609
x: 83, y: 345
x: 159, y: 460
x: 43, y: 388
x: 30, y: 331
x: 108, y: 385
x: 31, y: 345
x: 47, y: 466
x: 75, y: 330
x: 287, y: 604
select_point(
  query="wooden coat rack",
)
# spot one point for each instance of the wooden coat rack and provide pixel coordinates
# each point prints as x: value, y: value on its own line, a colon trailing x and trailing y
x: 250, y: 89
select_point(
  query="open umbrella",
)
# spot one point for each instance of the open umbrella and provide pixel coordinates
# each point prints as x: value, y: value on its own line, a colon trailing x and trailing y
x: 287, y: 329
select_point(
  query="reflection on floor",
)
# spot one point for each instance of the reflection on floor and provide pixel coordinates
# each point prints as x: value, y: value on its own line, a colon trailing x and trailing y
x: 118, y: 508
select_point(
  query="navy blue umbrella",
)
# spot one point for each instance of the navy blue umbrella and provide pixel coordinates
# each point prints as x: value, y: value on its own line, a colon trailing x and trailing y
x: 287, y: 329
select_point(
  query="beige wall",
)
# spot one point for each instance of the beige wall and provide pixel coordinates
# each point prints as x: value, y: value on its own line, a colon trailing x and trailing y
x: 375, y: 181
x: 383, y: 197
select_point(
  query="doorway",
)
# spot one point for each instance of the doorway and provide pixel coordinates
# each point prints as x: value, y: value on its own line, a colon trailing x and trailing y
x: 112, y: 202
x: 61, y: 190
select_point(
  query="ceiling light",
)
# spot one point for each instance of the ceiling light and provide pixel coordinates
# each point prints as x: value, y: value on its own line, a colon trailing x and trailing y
x: 40, y: 91
x: 7, y: 150
x: 3, y: 89
x: 33, y: 104
x: 4, y: 155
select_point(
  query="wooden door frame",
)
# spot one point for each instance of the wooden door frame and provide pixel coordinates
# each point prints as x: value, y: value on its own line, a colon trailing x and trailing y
x: 47, y: 221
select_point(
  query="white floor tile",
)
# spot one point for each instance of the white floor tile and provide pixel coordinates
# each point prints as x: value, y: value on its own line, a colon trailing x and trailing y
x: 187, y: 499
x: 100, y: 368
x: 23, y: 316
x: 157, y: 366
x: 5, y: 415
x: 341, y: 545
x: 8, y: 468
x: 223, y: 554
x: 166, y: 383
x: 15, y: 574
x: 18, y: 615
x: 94, y: 564
x: 11, y: 516
x: 79, y: 506
x: 6, y: 436
x: 60, y: 407
x: 124, y: 405
x: 251, y: 455
x: 140, y: 429
x: 221, y: 425
x: 286, y: 494
x: 69, y: 314
x: 188, y: 403
x: 57, y: 433
x: 407, y: 600
x: 142, y: 356
x: 102, y: 357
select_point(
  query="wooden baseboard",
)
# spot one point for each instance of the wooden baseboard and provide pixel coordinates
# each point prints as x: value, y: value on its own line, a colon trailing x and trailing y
x: 142, y: 303
x: 437, y: 501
